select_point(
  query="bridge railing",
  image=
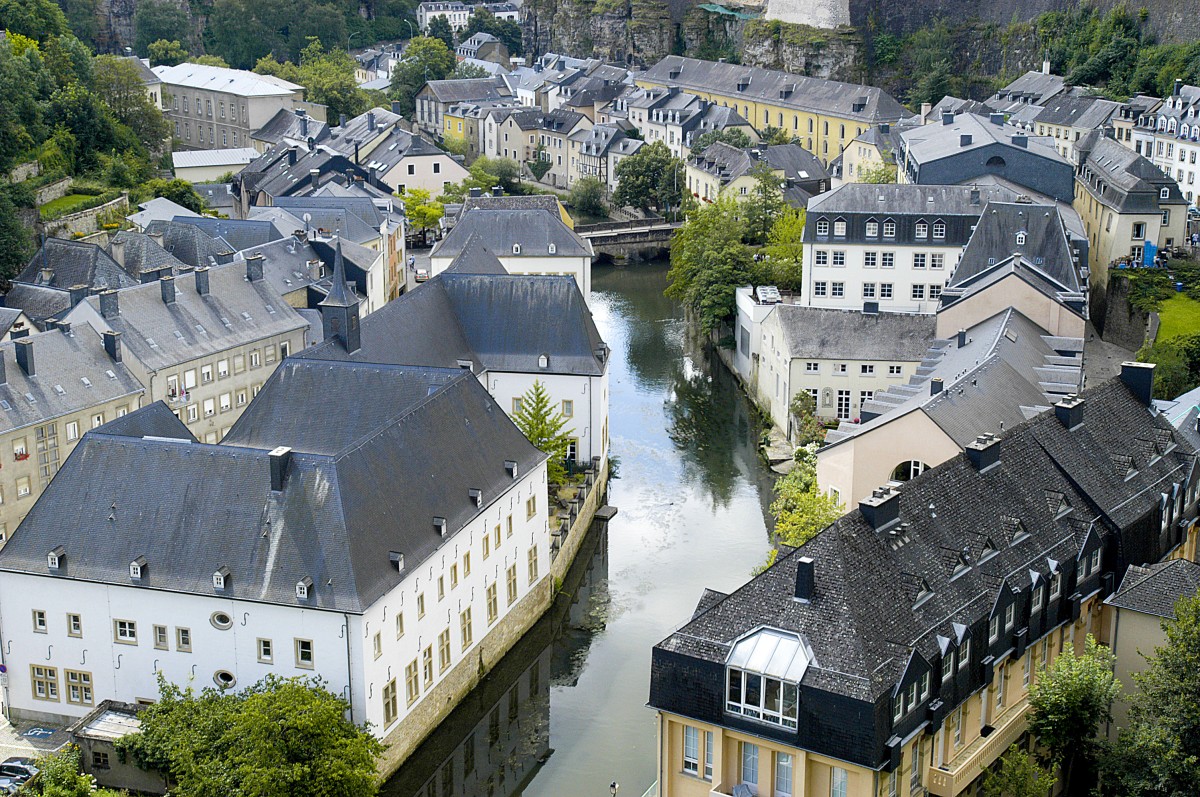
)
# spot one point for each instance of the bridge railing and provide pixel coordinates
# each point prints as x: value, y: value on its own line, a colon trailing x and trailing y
x: 611, y: 226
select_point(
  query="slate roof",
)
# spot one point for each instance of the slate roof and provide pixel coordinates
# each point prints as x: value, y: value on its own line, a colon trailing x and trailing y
x: 238, y: 233
x: 1134, y: 183
x: 488, y: 88
x: 190, y: 243
x: 223, y: 79
x: 193, y: 158
x: 335, y: 521
x: 863, y: 624
x: 398, y: 145
x: 829, y: 97
x: 545, y: 202
x: 60, y: 263
x: 153, y: 420
x: 1073, y: 110
x: 497, y: 322
x: 476, y: 258
x: 818, y: 333
x: 1154, y: 589
x: 354, y: 218
x: 908, y: 199
x: 1183, y: 412
x: 37, y: 302
x: 218, y: 196
x: 286, y: 124
x: 360, y: 129
x: 274, y: 176
x: 534, y: 230
x: 8, y: 317
x: 1032, y: 88
x: 141, y: 253
x: 288, y: 264
x: 72, y: 372
x: 235, y: 312
x: 932, y: 142
x: 158, y: 209
x: 995, y: 238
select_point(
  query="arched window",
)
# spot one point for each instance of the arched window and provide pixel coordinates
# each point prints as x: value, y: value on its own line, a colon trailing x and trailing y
x: 996, y: 162
x: 908, y: 469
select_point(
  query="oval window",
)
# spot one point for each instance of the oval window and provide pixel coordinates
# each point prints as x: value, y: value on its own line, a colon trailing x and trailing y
x: 224, y: 678
x: 221, y: 620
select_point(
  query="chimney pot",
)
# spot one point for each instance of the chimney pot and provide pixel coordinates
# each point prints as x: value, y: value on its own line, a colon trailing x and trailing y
x: 964, y: 140
x: 371, y: 121
x: 396, y: 107
x: 78, y: 294
x: 806, y: 579
x: 112, y: 345
x: 254, y: 268
x: 881, y: 508
x: 202, y: 281
x: 1069, y: 412
x: 996, y: 118
x: 496, y: 191
x: 25, y: 356
x: 962, y: 338
x: 475, y: 192
x: 984, y: 453
x: 109, y: 304
x: 1020, y: 140
x: 947, y: 117
x: 935, y: 386
x: 1139, y: 378
x: 167, y: 284
x: 279, y: 458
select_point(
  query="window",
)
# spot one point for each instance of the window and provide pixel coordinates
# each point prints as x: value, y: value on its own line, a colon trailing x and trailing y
x: 44, y: 682
x: 206, y: 374
x: 512, y: 585
x: 441, y: 587
x: 921, y: 230
x: 210, y: 408
x: 304, y: 653
x: 226, y: 402
x: 161, y: 640
x: 444, y: 651
x: 492, y: 612
x: 691, y: 749
x: 1139, y: 230
x: 1094, y: 561
x: 919, y: 260
x: 783, y: 775
x: 1001, y: 681
x: 889, y: 260
x: 889, y: 229
x: 24, y: 487
x: 427, y: 665
x: 918, y: 293
x: 935, y: 292
x: 864, y: 396
x: 79, y: 687
x: 761, y: 697
x: 885, y: 290
x: 837, y: 289
x: 377, y: 644
x: 1035, y: 603
x: 487, y: 545
x: 74, y: 625
x: 412, y: 683
x: 868, y: 290
x: 820, y: 289
x: 870, y: 259
x: 812, y: 368
x: 994, y: 628
x: 867, y: 370
x: 125, y: 632
x: 1055, y: 585
x: 72, y: 430
x: 872, y: 229
x: 895, y: 370
x: 183, y: 640
x: 466, y: 564
x: 838, y: 782
x: 839, y: 228
x: 839, y: 259
x: 749, y: 769
x: 99, y: 760
x: 255, y: 358
x: 937, y: 260
x: 964, y: 655
x: 822, y: 227
x: 1165, y: 193
x: 840, y: 368
x: 822, y: 257
x: 568, y: 408
x: 1010, y: 616
x: 468, y: 631
x: 39, y: 621
x: 530, y: 507
x: 266, y: 651
x: 939, y: 229
x: 1025, y: 671
x: 533, y: 564
x: 390, y: 709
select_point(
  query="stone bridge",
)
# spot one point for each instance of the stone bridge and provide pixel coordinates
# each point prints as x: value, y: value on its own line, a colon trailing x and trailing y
x: 622, y: 241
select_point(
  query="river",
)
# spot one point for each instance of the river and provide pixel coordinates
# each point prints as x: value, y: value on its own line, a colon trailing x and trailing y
x: 565, y: 712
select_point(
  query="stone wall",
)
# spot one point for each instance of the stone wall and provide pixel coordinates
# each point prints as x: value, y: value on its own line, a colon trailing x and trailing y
x: 84, y: 221
x: 23, y: 171
x: 1121, y: 323
x: 52, y: 191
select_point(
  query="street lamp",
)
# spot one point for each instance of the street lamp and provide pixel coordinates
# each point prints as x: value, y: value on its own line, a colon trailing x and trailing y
x: 351, y: 36
x: 411, y: 35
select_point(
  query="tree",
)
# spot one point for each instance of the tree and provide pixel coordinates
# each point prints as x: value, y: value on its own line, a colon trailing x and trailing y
x: 422, y: 212
x: 880, y: 173
x: 485, y: 174
x: 327, y: 76
x: 542, y: 423
x: 650, y: 178
x: 278, y: 738
x: 784, y: 253
x: 85, y: 116
x: 776, y: 135
x: 733, y: 136
x: 211, y: 60
x: 169, y: 53
x: 1017, y: 776
x: 763, y: 204
x: 1159, y: 752
x: 59, y: 775
x: 37, y: 19
x: 427, y: 58
x: 14, y: 240
x: 178, y: 191
x: 540, y: 163
x: 807, y: 429
x: 709, y: 261
x: 1068, y: 702
x: 439, y: 28
x: 119, y: 85
x: 507, y: 31
x: 159, y: 20
x: 587, y: 196
x: 800, y: 510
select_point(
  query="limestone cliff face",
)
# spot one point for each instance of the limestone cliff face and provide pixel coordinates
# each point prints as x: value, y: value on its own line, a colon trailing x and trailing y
x: 114, y: 25
x: 633, y: 32
x: 831, y: 54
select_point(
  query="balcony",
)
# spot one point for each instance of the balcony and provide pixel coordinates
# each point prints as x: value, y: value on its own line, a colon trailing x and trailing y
x: 959, y: 772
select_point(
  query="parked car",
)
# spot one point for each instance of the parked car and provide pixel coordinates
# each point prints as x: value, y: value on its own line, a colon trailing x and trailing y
x: 422, y: 273
x: 18, y: 769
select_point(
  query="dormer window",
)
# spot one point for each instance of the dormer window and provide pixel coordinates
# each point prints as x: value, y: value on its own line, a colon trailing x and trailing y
x: 994, y: 628
x: 921, y: 230
x: 543, y: 361
x: 939, y: 230
x: 989, y: 550
x: 220, y: 579
x: 1056, y: 585
x: 765, y: 687
x: 56, y: 558
x: 552, y: 249
x: 961, y: 566
x: 1021, y: 239
x: 303, y: 588
x: 889, y: 229
x: 839, y: 228
x: 1165, y: 193
x: 872, y: 229
x: 476, y: 496
x: 924, y: 593
x: 822, y: 227
x: 516, y: 249
x: 137, y: 567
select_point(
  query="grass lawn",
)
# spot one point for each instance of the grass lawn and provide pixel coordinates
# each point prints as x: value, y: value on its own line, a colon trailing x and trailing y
x: 1180, y: 316
x: 63, y: 204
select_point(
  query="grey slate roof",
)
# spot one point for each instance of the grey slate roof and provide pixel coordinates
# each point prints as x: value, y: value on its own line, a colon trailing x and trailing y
x: 531, y: 202
x: 826, y: 334
x: 476, y: 258
x: 190, y: 243
x: 1074, y: 110
x: 238, y: 233
x: 60, y: 263
x: 62, y: 361
x: 470, y: 89
x: 335, y: 521
x: 1032, y: 88
x: 37, y: 302
x: 908, y: 199
x: 1183, y: 412
x: 862, y: 623
x: 158, y: 209
x: 933, y: 142
x: 218, y: 196
x: 497, y: 322
x: 1134, y: 183
x: 995, y: 238
x: 161, y: 335
x: 286, y: 124
x: 8, y: 317
x: 141, y: 253
x: 534, y: 230
x: 829, y: 97
x: 153, y: 420
x: 365, y: 127
x: 1154, y: 589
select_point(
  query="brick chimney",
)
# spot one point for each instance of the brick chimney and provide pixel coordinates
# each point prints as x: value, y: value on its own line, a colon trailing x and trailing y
x: 167, y: 286
x: 109, y: 304
x: 25, y: 356
x: 112, y: 345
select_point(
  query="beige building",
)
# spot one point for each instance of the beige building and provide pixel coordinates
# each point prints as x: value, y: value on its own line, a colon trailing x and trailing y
x: 213, y: 107
x: 870, y: 152
x: 54, y: 387
x: 203, y: 342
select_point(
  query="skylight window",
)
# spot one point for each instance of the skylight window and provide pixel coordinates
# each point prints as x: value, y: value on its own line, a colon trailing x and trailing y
x: 763, y: 673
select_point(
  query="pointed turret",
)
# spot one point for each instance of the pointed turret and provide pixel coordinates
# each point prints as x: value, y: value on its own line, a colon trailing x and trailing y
x: 339, y: 310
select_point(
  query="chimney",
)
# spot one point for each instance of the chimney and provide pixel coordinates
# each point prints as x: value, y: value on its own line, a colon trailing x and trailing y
x: 1069, y: 412
x: 224, y: 258
x: 936, y: 386
x: 112, y: 345
x: 25, y: 356
x: 962, y: 338
x: 885, y: 128
x: 926, y: 109
x: 355, y: 160
x: 148, y: 276
x: 117, y: 249
x: 1045, y: 66
x: 984, y: 451
x: 806, y: 585
x: 396, y: 107
x: 157, y: 237
x: 167, y: 285
x: 497, y: 191
x: 291, y: 156
x: 947, y: 117
x: 254, y: 268
x: 1139, y: 378
x: 202, y: 280
x: 315, y: 177
x: 475, y: 192
x: 1178, y: 86
x: 964, y: 140
x: 78, y: 293
x: 303, y: 125
x: 3, y: 373
x: 65, y: 328
x: 371, y: 121
x: 109, y: 305
x: 996, y: 119
x: 341, y: 120
x: 279, y: 458
x: 1020, y: 140
x: 881, y: 508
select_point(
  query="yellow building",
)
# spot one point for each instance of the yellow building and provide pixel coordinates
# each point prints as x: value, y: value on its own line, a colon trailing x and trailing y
x: 825, y: 115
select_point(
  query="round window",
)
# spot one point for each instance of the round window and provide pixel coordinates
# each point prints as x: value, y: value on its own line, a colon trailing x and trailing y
x: 224, y: 678
x: 221, y: 620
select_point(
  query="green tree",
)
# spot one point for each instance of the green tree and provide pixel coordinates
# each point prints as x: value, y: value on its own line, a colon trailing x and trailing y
x: 1158, y: 754
x: 733, y: 136
x: 166, y: 52
x: 709, y: 261
x: 422, y: 212
x: 799, y: 509
x: 807, y: 429
x: 15, y: 246
x: 1018, y: 775
x: 211, y: 60
x: 763, y: 204
x: 650, y: 178
x: 21, y: 111
x: 278, y: 738
x: 776, y: 136
x: 587, y: 196
x: 540, y: 163
x: 60, y: 775
x: 439, y: 28
x: 1068, y: 703
x: 427, y: 58
x: 880, y: 173
x: 119, y: 85
x: 178, y: 191
x: 37, y: 19
x: 327, y: 76
x: 485, y: 174
x: 84, y: 115
x: 507, y: 31
x: 784, y: 253
x: 159, y: 20
x: 543, y: 424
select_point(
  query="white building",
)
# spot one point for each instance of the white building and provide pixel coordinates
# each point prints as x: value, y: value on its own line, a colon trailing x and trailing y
x: 1169, y: 135
x: 209, y: 165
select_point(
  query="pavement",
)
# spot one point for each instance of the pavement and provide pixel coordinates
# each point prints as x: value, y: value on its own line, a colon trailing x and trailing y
x: 1102, y: 359
x: 30, y: 739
